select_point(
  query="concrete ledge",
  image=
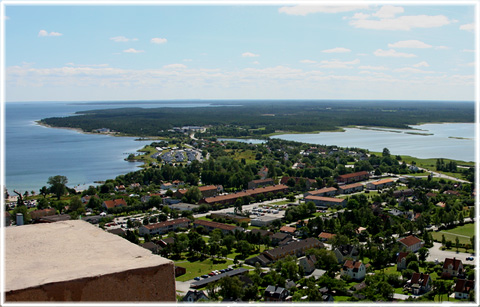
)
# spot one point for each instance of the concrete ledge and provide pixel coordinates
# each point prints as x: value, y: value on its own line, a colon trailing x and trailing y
x: 76, y: 261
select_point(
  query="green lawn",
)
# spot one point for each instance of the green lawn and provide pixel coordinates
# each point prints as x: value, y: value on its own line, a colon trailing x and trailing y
x: 464, y: 233
x: 198, y: 268
x: 341, y: 298
x: 390, y: 270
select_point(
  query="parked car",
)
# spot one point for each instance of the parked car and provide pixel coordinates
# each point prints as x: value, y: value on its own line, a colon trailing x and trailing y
x: 204, y: 276
x: 470, y: 258
x: 211, y: 274
x: 197, y: 278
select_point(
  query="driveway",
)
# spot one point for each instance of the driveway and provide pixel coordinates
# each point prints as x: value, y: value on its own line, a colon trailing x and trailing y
x: 436, y: 253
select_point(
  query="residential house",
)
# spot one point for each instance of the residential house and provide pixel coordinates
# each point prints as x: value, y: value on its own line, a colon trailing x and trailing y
x: 353, y: 177
x: 330, y: 191
x: 321, y: 201
x: 164, y: 227
x: 275, y: 294
x: 117, y: 231
x: 280, y: 237
x: 325, y: 236
x: 452, y: 267
x: 462, y: 288
x: 231, y: 198
x: 403, y: 193
x: 419, y: 283
x: 167, y: 186
x: 288, y: 229
x: 109, y: 204
x: 346, y: 251
x: 260, y: 183
x: 307, y: 263
x: 354, y: 269
x: 154, y: 248
x: 263, y: 173
x: 120, y: 188
x: 402, y: 260
x: 146, y: 198
x: 411, y: 243
x: 195, y: 296
x: 350, y: 188
x: 209, y: 226
x: 207, y: 191
x: 380, y: 184
x: 296, y: 248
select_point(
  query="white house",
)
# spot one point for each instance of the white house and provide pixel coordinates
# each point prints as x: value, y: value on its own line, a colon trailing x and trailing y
x: 354, y: 269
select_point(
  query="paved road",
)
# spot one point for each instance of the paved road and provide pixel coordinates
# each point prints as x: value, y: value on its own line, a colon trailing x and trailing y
x: 437, y: 253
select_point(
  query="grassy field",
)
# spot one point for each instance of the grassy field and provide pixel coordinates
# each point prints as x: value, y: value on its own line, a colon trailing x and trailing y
x: 464, y: 233
x: 198, y: 268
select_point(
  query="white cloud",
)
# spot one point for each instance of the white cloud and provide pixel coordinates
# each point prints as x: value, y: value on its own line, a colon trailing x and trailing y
x: 468, y: 27
x: 6, y: 17
x: 337, y: 50
x: 373, y: 67
x: 468, y: 50
x: 158, y: 40
x: 256, y: 62
x: 388, y: 11
x: 175, y: 66
x: 360, y: 16
x: 86, y: 65
x: 303, y: 10
x: 413, y: 70
x: 249, y: 55
x: 403, y: 23
x: 308, y: 61
x: 421, y: 64
x: 338, y: 64
x: 122, y: 39
x: 132, y: 50
x: 393, y: 53
x: 45, y: 33
x: 409, y: 44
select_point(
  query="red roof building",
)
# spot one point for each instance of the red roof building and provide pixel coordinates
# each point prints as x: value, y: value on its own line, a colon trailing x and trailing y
x: 353, y: 177
x: 411, y: 243
x: 452, y: 267
x: 109, y: 204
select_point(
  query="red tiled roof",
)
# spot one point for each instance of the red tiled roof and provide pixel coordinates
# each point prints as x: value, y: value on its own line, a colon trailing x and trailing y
x: 251, y: 192
x: 167, y: 223
x: 410, y: 240
x: 452, y: 261
x: 215, y: 225
x: 420, y: 278
x: 288, y: 229
x: 324, y: 190
x: 202, y: 189
x: 350, y: 186
x: 402, y: 255
x: 321, y: 198
x: 115, y: 203
x: 349, y: 264
x: 326, y: 235
x: 363, y: 173
x: 388, y: 180
x: 464, y: 285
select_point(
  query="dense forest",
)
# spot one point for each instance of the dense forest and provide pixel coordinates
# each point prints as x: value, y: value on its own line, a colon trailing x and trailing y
x: 260, y: 118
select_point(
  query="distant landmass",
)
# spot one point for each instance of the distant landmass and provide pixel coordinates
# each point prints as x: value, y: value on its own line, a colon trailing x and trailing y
x: 260, y: 118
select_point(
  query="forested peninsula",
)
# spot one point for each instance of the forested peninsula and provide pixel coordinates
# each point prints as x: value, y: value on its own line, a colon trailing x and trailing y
x: 262, y: 118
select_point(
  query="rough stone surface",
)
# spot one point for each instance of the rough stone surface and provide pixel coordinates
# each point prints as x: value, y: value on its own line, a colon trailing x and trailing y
x: 76, y: 261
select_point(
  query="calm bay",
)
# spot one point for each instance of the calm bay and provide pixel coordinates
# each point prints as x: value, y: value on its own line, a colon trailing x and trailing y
x: 34, y: 153
x: 447, y: 140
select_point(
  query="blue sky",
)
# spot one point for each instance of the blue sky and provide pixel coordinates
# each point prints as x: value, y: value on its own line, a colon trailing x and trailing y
x: 392, y: 51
